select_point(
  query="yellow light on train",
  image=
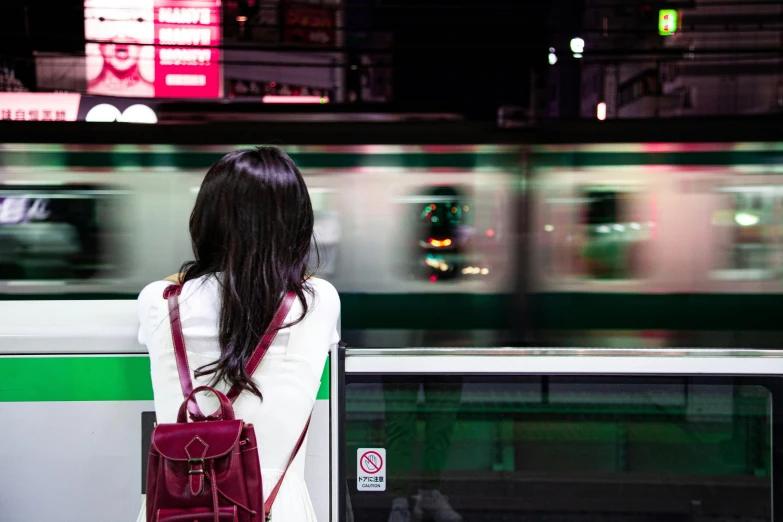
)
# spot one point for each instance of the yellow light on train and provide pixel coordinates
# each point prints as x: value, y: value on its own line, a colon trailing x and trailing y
x: 438, y: 244
x: 745, y: 219
x: 549, y: 228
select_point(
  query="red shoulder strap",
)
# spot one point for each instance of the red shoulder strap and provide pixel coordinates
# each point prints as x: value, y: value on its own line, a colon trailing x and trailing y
x: 171, y: 293
x: 271, y: 499
x: 265, y: 342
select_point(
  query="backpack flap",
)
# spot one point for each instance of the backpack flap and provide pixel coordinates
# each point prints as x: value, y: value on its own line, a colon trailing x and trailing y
x: 196, y: 443
x: 196, y: 440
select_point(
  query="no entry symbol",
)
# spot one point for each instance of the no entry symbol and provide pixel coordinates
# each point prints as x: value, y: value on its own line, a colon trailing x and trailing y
x: 371, y: 462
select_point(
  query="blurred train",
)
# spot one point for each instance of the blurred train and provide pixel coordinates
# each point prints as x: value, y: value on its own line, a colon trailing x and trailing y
x: 436, y: 234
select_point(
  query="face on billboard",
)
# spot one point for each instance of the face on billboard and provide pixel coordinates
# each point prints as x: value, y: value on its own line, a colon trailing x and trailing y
x: 121, y: 61
x: 117, y: 62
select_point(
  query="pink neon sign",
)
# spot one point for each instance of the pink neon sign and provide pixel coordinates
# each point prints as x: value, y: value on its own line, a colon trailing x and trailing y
x: 153, y: 48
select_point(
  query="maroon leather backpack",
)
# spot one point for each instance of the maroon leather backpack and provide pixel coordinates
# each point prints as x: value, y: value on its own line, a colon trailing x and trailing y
x: 208, y: 469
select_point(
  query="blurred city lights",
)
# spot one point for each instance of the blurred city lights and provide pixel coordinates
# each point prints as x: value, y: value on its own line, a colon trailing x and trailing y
x: 667, y: 22
x: 295, y: 99
x: 600, y: 111
x: 577, y: 47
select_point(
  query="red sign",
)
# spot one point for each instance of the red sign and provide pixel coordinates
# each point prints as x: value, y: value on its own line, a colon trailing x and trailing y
x: 189, y: 64
x: 153, y: 48
x: 309, y: 25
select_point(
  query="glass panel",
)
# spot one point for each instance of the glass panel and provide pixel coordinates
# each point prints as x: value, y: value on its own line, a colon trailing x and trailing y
x: 63, y: 232
x: 747, y: 221
x: 560, y: 448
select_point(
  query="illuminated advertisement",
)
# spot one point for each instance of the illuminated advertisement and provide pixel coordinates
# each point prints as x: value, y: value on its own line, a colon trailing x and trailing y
x: 153, y: 48
x: 39, y: 106
x: 43, y: 106
x: 307, y: 25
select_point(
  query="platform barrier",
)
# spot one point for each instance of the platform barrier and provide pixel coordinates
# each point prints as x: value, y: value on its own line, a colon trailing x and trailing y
x: 506, y: 434
x: 559, y: 434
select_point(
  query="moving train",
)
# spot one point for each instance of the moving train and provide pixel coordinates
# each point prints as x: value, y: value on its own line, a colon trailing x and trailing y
x: 436, y: 233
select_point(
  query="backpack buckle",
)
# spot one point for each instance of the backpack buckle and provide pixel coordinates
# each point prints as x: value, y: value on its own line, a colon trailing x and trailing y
x: 197, y: 471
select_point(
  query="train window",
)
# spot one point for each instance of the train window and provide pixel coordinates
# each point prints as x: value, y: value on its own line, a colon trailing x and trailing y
x: 58, y: 232
x: 596, y: 234
x: 746, y: 239
x: 611, y: 232
x: 442, y: 224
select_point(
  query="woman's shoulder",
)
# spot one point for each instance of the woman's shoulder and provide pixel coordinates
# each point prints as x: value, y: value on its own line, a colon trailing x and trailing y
x: 150, y: 300
x: 150, y: 307
x: 154, y: 289
x: 323, y: 302
x: 325, y: 294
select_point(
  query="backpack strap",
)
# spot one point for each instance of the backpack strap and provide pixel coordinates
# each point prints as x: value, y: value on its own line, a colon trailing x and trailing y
x: 171, y: 293
x: 271, y: 499
x: 266, y: 341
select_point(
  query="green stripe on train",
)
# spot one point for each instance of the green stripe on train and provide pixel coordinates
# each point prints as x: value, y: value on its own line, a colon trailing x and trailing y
x: 379, y: 311
x: 202, y: 160
x: 715, y: 312
x: 564, y: 311
x: 578, y: 159
x: 577, y: 311
x: 66, y: 378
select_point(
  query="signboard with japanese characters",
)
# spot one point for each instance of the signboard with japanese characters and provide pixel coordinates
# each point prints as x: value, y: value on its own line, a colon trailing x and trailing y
x: 39, y: 106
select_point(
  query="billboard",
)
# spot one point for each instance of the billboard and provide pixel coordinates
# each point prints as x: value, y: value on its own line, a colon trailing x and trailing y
x: 44, y: 106
x: 39, y: 106
x: 308, y: 25
x: 153, y: 48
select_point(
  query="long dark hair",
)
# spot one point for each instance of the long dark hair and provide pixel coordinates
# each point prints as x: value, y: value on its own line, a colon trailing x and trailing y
x: 251, y: 228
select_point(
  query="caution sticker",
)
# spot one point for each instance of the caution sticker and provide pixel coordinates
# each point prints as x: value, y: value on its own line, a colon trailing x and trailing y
x: 371, y: 469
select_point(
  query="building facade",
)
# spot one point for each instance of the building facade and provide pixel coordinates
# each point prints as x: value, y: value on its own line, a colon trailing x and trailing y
x: 718, y: 60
